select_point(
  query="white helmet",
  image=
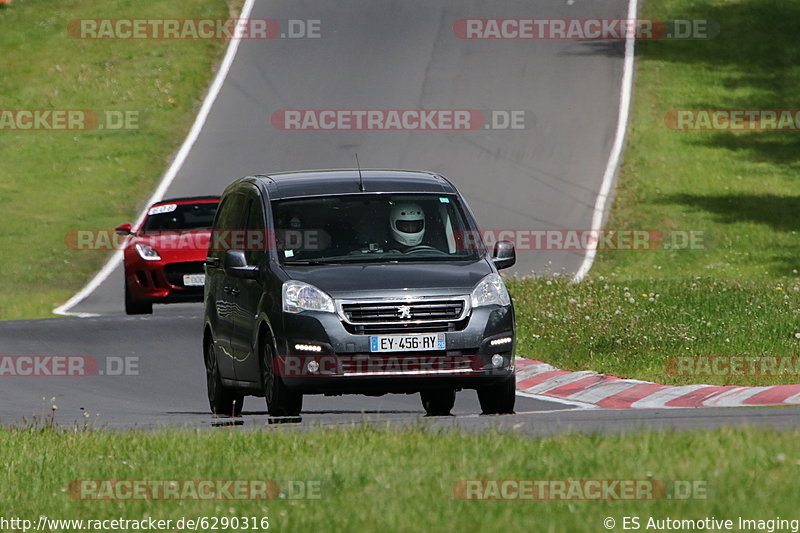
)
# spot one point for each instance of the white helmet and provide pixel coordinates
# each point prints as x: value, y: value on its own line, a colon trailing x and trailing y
x: 407, y: 222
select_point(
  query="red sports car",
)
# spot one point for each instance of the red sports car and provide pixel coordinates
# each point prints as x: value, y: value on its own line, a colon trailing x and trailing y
x: 164, y: 257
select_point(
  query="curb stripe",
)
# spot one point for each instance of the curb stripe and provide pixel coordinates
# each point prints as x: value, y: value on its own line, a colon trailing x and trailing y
x: 593, y: 390
x: 625, y: 399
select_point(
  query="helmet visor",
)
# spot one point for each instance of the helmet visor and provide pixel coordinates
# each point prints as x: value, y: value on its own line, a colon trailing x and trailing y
x: 409, y: 226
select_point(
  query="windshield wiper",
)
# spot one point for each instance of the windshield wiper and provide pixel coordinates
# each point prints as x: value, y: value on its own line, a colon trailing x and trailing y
x: 305, y: 262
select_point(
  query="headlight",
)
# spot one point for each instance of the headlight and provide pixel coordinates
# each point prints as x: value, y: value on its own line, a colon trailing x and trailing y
x: 490, y: 291
x: 147, y: 252
x: 299, y: 296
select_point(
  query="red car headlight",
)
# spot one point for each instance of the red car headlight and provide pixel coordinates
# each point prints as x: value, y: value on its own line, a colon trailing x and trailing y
x: 147, y: 252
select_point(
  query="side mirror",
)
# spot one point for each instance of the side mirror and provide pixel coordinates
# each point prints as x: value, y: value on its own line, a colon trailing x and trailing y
x: 237, y: 267
x: 504, y: 255
x: 123, y: 229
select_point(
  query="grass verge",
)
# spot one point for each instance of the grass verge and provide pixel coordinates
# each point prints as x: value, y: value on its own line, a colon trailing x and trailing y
x: 380, y: 479
x: 52, y: 182
x: 736, y: 294
x: 638, y: 328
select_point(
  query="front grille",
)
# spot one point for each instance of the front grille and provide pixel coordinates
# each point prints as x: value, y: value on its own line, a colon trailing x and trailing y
x: 175, y: 272
x: 394, y: 312
x: 399, y: 316
x: 385, y: 329
x: 408, y: 363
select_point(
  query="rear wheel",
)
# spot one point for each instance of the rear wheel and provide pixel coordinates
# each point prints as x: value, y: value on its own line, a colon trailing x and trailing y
x: 280, y: 400
x: 222, y: 400
x: 498, y: 399
x: 136, y: 308
x: 438, y: 402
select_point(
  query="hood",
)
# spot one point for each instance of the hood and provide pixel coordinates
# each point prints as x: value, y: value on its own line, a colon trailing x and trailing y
x: 398, y: 278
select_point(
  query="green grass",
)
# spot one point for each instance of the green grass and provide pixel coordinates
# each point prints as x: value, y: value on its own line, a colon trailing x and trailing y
x: 738, y: 190
x: 387, y: 480
x: 52, y: 182
x: 631, y: 328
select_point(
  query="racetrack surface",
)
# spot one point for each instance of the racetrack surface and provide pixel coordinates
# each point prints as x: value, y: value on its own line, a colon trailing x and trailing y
x: 167, y: 388
x: 165, y: 381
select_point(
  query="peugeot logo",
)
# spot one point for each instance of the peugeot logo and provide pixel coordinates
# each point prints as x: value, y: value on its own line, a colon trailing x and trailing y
x: 404, y: 311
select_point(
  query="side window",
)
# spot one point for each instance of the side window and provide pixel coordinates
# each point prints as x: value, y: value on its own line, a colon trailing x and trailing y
x: 230, y: 218
x: 256, y: 232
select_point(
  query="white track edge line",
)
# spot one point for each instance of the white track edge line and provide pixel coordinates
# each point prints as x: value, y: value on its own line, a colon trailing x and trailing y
x: 616, y: 150
x: 116, y: 258
x: 555, y: 399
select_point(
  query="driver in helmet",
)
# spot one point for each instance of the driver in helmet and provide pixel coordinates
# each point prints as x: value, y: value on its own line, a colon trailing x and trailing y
x: 407, y: 225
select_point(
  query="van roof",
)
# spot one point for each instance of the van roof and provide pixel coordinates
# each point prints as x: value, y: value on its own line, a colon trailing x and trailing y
x: 346, y: 181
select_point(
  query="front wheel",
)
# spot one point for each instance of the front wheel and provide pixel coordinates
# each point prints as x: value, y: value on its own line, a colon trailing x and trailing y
x: 438, y: 402
x: 280, y: 400
x: 499, y: 399
x: 222, y: 400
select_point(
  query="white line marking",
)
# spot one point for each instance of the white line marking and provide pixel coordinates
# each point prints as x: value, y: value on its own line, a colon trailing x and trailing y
x: 555, y: 399
x: 792, y: 400
x: 616, y: 149
x: 659, y: 399
x: 596, y: 393
x: 116, y: 258
x: 734, y: 397
x: 559, y: 381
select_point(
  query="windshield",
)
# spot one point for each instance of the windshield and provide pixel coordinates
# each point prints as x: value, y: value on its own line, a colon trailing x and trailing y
x: 180, y: 217
x: 371, y: 228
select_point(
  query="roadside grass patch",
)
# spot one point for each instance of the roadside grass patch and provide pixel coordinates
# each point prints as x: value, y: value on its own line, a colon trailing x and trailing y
x: 632, y: 328
x: 402, y: 480
x: 737, y: 293
x: 52, y: 182
x: 740, y: 189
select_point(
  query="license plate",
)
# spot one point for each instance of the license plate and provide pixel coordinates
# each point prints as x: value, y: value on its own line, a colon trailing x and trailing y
x: 407, y: 343
x: 194, y: 280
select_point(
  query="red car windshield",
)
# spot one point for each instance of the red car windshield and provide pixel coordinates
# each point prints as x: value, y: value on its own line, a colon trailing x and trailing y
x: 180, y: 217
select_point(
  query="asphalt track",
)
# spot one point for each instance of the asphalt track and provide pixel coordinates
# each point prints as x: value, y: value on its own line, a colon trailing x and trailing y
x: 165, y: 386
x: 377, y: 55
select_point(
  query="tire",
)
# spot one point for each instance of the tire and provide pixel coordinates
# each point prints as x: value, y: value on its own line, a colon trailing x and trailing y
x: 222, y: 400
x: 438, y: 402
x: 280, y: 400
x: 498, y: 399
x: 136, y: 308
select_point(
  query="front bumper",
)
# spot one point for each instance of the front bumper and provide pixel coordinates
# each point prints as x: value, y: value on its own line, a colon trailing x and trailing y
x: 345, y: 364
x: 157, y: 282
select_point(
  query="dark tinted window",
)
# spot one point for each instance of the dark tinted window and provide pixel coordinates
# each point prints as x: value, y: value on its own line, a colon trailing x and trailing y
x: 256, y: 234
x: 180, y: 217
x: 372, y: 227
x: 231, y: 217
